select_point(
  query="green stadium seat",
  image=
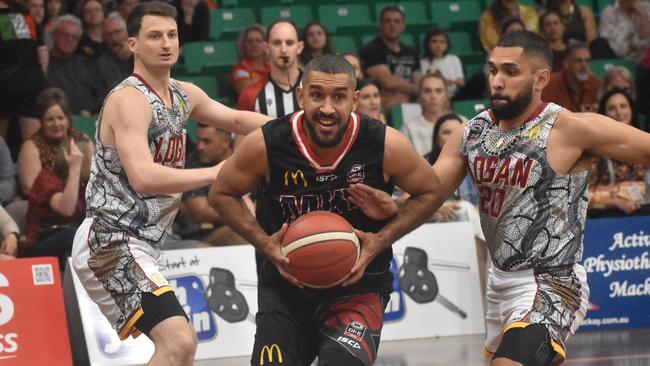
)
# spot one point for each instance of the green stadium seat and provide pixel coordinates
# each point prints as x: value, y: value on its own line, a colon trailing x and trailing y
x: 459, y: 14
x: 206, y: 82
x: 472, y: 69
x: 602, y: 4
x: 587, y: 3
x: 299, y: 14
x: 337, y: 16
x: 345, y: 44
x: 397, y: 119
x: 87, y: 125
x: 461, y: 42
x: 201, y: 54
x: 470, y: 108
x: 600, y: 67
x: 225, y: 23
x: 415, y: 12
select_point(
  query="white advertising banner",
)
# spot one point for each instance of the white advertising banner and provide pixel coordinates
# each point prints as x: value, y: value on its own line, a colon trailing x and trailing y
x: 437, y: 293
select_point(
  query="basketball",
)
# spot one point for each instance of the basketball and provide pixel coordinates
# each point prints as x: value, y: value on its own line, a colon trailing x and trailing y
x: 322, y: 249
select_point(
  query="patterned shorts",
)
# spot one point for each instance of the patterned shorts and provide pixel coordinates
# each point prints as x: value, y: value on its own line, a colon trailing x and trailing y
x: 116, y: 269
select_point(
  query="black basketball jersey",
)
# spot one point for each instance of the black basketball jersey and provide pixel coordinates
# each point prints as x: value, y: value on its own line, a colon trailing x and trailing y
x: 299, y: 182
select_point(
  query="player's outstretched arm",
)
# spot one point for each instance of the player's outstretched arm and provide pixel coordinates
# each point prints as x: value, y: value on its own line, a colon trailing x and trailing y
x: 599, y: 135
x: 242, y: 171
x: 211, y: 112
x: 128, y: 115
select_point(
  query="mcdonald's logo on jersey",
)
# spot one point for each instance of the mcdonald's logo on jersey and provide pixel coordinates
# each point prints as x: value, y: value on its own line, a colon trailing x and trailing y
x: 267, y: 354
x: 295, y: 176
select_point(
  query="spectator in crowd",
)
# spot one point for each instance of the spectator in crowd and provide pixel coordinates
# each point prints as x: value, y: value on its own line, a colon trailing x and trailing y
x: 436, y: 55
x: 9, y: 235
x: 370, y: 100
x: 642, y: 87
x: 38, y: 152
x: 626, y: 27
x: 214, y: 145
x: 616, y: 184
x: 578, y: 20
x: 552, y: 29
x: 116, y: 62
x: 253, y: 62
x: 394, y: 65
x: 619, y: 77
x: 275, y: 95
x: 7, y: 174
x: 434, y: 101
x: 92, y: 17
x: 73, y: 73
x: 497, y: 14
x: 512, y: 25
x: 37, y: 11
x: 355, y: 61
x: 22, y: 62
x: 56, y: 204
x: 575, y: 87
x: 193, y: 20
x: 125, y: 7
x: 55, y: 8
x: 317, y: 42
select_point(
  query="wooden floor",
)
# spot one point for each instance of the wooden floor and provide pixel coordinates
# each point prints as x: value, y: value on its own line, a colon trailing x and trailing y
x: 606, y: 348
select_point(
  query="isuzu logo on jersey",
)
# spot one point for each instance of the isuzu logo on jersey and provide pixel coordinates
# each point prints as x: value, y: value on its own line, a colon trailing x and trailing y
x: 326, y: 177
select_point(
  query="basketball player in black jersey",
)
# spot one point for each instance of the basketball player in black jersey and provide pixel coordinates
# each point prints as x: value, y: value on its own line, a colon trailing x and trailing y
x: 304, y: 162
x: 530, y: 162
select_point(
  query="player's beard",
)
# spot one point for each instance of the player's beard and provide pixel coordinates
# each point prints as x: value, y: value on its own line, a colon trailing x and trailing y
x: 515, y: 106
x: 321, y: 142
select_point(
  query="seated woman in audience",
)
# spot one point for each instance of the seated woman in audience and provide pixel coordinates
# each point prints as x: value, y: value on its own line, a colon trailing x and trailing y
x: 9, y: 234
x: 370, y: 100
x: 38, y: 151
x: 552, y: 29
x: 56, y: 203
x: 579, y: 21
x: 253, y: 64
x: 436, y: 55
x: 356, y: 63
x: 499, y: 11
x: 55, y: 8
x: 616, y: 184
x: 512, y: 25
x: 317, y: 42
x: 619, y: 77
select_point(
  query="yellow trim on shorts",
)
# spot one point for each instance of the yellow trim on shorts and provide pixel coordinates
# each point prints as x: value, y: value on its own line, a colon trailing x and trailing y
x: 556, y: 345
x: 487, y: 353
x: 129, y: 328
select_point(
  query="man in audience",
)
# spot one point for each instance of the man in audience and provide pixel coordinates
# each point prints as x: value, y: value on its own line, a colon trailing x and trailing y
x: 125, y: 7
x: 116, y: 62
x: 575, y: 87
x: 275, y: 95
x: 73, y: 73
x: 394, y: 65
x: 626, y: 27
x: 214, y: 146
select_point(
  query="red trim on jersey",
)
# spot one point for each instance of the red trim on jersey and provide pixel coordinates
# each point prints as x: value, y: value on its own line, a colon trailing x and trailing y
x: 246, y: 101
x: 171, y: 95
x: 300, y: 137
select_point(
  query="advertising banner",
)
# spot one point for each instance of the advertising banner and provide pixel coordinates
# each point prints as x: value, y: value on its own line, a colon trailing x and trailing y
x: 617, y: 261
x: 33, y: 325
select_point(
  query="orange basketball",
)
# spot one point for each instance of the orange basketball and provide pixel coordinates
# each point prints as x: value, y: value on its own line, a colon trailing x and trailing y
x: 322, y: 249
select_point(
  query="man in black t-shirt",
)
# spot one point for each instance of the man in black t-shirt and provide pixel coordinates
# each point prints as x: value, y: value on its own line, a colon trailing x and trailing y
x: 331, y: 149
x: 394, y: 65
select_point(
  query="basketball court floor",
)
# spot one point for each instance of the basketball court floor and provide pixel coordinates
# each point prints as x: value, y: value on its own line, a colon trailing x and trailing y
x: 604, y: 348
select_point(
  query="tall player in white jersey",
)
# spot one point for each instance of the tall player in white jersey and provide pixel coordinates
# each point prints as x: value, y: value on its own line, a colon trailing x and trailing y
x: 530, y: 161
x: 134, y: 189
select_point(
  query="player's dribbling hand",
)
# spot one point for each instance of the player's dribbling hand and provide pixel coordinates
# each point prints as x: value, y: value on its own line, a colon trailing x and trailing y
x: 371, y: 246
x: 374, y: 203
x: 273, y: 251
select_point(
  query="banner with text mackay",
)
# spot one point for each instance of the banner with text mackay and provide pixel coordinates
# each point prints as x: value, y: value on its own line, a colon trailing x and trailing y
x: 617, y: 261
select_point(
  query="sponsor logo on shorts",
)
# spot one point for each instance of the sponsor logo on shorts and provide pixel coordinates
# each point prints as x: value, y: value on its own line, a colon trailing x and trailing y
x: 349, y: 341
x: 295, y: 176
x: 355, y: 329
x: 268, y: 352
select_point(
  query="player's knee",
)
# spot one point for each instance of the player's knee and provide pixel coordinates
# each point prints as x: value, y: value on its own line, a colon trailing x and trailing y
x: 181, y: 345
x: 338, y: 356
x: 530, y: 346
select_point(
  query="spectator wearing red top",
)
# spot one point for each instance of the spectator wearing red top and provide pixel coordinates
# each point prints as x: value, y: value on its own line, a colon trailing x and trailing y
x: 56, y: 203
x: 575, y: 87
x: 253, y: 62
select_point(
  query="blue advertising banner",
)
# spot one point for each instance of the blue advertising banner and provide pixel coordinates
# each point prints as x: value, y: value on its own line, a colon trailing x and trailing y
x: 618, y: 271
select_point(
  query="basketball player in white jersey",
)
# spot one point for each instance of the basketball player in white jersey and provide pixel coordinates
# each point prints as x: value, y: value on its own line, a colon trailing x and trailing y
x: 530, y: 162
x: 136, y: 180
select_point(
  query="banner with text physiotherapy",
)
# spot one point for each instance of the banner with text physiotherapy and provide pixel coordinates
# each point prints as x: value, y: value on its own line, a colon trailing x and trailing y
x: 617, y: 261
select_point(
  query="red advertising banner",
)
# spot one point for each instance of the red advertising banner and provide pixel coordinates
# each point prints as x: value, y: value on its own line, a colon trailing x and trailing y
x: 33, y: 325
